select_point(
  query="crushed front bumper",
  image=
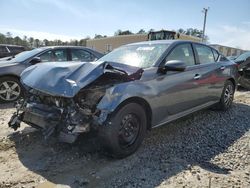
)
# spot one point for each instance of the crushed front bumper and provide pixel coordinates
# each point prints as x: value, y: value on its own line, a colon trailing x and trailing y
x: 48, y: 119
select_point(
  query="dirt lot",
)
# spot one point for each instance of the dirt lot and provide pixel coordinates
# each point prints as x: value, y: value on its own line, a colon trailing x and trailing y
x: 208, y: 148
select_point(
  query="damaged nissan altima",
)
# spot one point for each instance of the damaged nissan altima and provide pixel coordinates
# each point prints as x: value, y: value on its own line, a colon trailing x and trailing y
x: 132, y: 89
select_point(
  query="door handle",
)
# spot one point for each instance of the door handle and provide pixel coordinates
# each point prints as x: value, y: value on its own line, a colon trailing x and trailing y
x: 197, y: 76
x: 222, y: 68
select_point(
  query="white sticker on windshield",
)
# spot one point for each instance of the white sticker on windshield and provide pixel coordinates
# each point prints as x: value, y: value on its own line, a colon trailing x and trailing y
x: 145, y: 48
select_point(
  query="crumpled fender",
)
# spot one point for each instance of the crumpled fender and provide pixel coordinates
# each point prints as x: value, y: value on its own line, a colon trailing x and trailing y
x: 115, y: 95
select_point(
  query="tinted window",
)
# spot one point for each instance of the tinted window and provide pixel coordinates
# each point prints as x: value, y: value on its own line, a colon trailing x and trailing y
x: 223, y: 58
x: 60, y: 55
x: 216, y: 55
x: 81, y: 55
x: 47, y: 56
x: 205, y: 54
x: 183, y: 53
x: 54, y: 55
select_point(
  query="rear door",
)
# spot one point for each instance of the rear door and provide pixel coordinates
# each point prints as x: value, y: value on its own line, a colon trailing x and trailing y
x: 211, y: 81
x: 81, y: 55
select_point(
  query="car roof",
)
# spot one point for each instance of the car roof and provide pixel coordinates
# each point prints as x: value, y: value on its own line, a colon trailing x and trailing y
x: 163, y: 42
x: 52, y: 47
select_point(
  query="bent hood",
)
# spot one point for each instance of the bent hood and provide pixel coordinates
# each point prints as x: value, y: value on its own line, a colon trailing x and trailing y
x: 66, y: 78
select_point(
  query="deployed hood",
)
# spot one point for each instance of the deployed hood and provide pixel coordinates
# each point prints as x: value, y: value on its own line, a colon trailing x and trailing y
x: 67, y: 78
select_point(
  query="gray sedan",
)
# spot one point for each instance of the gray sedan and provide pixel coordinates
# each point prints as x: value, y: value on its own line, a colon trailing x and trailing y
x: 11, y: 67
x: 125, y: 93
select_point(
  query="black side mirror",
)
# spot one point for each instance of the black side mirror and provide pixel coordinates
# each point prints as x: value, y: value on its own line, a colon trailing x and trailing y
x: 173, y: 65
x: 35, y: 60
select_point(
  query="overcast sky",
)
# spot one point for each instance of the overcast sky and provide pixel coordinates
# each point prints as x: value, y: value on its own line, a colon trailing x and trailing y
x: 228, y: 21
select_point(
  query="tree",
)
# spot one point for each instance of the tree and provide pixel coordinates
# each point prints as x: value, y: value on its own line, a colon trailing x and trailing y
x: 192, y: 32
x: 37, y: 43
x: 45, y: 42
x: 141, y: 31
x: 118, y: 32
x: 181, y: 30
x: 97, y: 36
x: 17, y: 41
x: 151, y: 30
x: 2, y: 38
x: 9, y: 38
x: 31, y: 42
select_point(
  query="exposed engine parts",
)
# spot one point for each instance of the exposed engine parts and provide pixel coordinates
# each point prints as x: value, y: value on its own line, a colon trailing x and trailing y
x: 65, y: 117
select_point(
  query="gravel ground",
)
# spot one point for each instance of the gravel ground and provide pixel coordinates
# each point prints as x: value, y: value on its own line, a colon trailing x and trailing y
x: 206, y: 149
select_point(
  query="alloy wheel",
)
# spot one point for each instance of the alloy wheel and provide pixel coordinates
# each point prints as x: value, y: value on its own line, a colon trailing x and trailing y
x: 9, y: 90
x: 228, y: 95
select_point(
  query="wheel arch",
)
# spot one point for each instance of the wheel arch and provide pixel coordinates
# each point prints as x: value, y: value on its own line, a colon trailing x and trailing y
x: 142, y: 102
x: 233, y: 81
x: 10, y: 75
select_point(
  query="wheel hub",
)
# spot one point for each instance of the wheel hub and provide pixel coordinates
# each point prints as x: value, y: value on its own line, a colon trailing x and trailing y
x: 228, y: 96
x: 129, y: 129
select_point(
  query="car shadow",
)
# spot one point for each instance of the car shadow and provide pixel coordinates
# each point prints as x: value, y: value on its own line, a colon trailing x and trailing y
x: 167, y: 151
x: 7, y: 105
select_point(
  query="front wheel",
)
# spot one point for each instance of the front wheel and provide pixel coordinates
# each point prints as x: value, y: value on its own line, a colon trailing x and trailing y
x: 227, y: 96
x: 124, y: 132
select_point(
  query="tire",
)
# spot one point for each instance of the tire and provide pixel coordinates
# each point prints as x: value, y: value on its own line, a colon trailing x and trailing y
x: 124, y: 132
x: 227, y: 96
x: 10, y: 89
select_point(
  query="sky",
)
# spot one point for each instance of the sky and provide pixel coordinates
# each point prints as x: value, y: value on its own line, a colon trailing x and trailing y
x: 228, y: 21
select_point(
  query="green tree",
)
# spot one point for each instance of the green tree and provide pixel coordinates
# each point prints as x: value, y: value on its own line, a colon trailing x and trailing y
x: 9, y: 38
x: 31, y: 42
x: 141, y: 31
x: 2, y: 38
x: 17, y: 41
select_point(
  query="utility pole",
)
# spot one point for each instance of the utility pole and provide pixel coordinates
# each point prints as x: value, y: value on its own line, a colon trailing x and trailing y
x: 204, y: 24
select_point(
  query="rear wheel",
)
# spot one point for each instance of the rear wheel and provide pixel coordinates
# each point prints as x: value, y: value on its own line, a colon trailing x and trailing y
x: 124, y: 133
x: 227, y: 96
x: 10, y: 89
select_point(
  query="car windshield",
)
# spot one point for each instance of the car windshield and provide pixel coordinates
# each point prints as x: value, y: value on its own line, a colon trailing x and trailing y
x: 25, y: 55
x: 141, y: 55
x: 243, y: 57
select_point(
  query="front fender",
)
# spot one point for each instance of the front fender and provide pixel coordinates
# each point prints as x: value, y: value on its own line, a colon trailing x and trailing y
x: 115, y: 95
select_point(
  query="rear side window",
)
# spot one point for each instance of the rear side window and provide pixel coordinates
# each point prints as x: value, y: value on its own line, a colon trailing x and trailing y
x: 60, y: 55
x: 182, y: 52
x: 81, y: 55
x: 47, y: 56
x: 205, y: 54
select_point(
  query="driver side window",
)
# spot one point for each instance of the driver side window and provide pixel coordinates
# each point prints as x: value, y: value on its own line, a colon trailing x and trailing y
x: 182, y: 52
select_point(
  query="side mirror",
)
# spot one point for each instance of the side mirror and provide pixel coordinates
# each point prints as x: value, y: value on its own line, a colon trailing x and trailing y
x: 174, y: 65
x: 35, y: 60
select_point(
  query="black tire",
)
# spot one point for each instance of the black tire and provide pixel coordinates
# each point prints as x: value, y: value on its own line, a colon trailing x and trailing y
x: 227, y: 96
x: 10, y: 89
x: 118, y: 137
